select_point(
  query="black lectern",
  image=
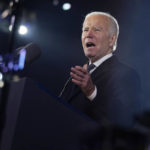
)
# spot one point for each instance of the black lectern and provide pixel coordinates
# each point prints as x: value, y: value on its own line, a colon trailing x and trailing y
x: 37, y: 120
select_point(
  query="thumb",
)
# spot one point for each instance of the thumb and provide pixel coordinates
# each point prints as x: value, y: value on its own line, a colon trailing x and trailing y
x: 85, y: 67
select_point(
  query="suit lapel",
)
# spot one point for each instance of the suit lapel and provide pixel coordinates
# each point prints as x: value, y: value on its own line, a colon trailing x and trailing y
x: 98, y: 72
x: 105, y: 66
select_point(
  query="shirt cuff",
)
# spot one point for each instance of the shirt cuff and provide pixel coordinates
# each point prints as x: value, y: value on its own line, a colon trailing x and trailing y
x: 93, y: 95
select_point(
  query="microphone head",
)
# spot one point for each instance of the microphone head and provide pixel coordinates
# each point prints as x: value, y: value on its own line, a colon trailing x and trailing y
x: 33, y: 52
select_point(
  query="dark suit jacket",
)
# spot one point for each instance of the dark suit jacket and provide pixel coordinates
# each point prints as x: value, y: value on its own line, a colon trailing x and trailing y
x: 118, y: 94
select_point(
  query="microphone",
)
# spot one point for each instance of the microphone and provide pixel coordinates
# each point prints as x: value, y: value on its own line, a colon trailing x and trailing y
x: 67, y: 82
x: 33, y: 52
x: 15, y: 61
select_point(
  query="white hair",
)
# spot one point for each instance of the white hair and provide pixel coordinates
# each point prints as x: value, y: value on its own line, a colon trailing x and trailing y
x: 114, y: 26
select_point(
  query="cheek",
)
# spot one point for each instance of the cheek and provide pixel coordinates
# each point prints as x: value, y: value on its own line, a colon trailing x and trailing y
x: 82, y: 37
x: 101, y: 41
x: 82, y: 40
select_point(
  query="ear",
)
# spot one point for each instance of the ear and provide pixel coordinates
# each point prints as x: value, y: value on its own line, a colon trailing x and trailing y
x: 112, y: 40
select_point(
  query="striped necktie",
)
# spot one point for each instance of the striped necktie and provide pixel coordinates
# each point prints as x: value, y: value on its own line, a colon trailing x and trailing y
x: 90, y: 67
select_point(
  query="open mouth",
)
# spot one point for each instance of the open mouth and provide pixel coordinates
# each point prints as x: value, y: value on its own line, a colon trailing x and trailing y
x: 90, y: 44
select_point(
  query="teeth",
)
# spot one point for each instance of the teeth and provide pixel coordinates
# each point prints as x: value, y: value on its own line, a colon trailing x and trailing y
x: 90, y: 44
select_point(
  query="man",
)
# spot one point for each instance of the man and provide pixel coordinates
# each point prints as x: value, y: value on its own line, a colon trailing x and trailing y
x: 109, y: 92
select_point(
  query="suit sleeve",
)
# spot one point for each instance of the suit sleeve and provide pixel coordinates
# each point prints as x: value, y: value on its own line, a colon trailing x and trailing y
x: 118, y: 99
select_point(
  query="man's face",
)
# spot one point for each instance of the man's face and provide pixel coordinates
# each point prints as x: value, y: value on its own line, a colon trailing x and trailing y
x: 96, y: 39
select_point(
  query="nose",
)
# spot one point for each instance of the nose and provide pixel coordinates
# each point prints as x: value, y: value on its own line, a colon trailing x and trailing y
x: 89, y: 34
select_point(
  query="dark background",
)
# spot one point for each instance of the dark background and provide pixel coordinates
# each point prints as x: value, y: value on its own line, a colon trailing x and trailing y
x: 58, y: 33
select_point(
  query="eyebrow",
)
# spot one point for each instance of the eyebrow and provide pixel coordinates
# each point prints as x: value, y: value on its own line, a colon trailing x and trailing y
x: 92, y: 27
x: 98, y: 27
x: 85, y: 27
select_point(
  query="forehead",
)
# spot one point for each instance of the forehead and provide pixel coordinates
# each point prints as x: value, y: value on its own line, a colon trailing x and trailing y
x: 97, y: 20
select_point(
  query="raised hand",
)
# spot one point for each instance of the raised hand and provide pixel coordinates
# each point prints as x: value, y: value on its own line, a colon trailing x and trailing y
x: 82, y: 78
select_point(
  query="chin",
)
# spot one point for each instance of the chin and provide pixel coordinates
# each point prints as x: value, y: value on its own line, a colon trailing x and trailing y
x: 90, y: 52
x: 90, y: 56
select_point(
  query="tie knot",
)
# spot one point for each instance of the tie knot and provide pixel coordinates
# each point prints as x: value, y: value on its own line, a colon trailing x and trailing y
x: 90, y: 67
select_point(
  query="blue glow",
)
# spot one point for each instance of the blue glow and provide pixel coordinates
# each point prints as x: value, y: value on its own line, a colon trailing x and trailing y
x: 16, y: 68
x: 148, y: 147
x: 5, y: 69
x: 1, y: 58
x: 1, y: 76
x: 10, y: 65
x: 22, y: 57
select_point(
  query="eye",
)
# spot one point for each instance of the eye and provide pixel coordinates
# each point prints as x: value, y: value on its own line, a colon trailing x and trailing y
x: 97, y: 29
x: 85, y: 29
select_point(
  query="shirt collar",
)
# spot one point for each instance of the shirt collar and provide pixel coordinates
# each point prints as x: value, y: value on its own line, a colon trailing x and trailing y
x: 101, y: 60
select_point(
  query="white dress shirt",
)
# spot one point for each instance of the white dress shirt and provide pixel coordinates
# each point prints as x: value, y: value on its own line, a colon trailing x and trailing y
x: 97, y: 64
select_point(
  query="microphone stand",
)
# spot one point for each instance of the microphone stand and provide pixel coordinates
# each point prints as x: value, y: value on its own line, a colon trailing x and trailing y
x: 15, y: 10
